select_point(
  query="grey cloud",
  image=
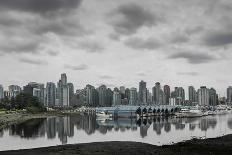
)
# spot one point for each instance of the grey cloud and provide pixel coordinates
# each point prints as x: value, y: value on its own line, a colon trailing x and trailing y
x: 52, y: 53
x: 179, y: 38
x: 33, y: 61
x: 128, y: 18
x: 193, y: 57
x: 194, y: 30
x: 61, y: 26
x: 91, y: 46
x: 188, y: 73
x: 106, y: 77
x: 19, y: 46
x: 139, y: 43
x: 114, y: 36
x: 141, y: 74
x: 39, y: 6
x: 78, y: 67
x: 218, y: 38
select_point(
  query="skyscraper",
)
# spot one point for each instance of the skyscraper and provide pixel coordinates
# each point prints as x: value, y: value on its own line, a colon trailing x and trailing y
x: 91, y: 96
x: 133, y: 96
x: 192, y: 95
x: 14, y: 90
x: 212, y: 97
x: 116, y: 98
x: 203, y: 96
x: 62, y: 97
x: 229, y: 94
x: 142, y: 92
x: 158, y: 94
x: 167, y: 94
x: 102, y: 92
x: 50, y: 94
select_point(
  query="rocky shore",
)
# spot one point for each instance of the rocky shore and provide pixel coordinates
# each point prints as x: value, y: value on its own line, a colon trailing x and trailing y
x: 213, y: 146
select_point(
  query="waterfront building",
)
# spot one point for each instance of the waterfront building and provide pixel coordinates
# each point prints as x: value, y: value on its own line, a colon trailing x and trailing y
x: 50, y: 94
x: 127, y: 94
x: 1, y: 92
x: 167, y: 94
x: 116, y: 98
x: 133, y: 96
x: 102, y: 92
x: 142, y: 92
x: 109, y: 97
x: 192, y: 95
x: 229, y: 94
x: 212, y: 97
x: 14, y: 90
x: 122, y: 90
x: 203, y: 96
x: 91, y: 96
x: 35, y: 89
x: 158, y: 95
x: 62, y: 92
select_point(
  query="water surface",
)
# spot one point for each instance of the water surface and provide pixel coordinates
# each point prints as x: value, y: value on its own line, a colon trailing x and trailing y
x: 86, y: 128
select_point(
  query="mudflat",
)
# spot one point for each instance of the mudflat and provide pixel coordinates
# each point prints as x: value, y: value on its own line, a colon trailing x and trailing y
x: 212, y: 146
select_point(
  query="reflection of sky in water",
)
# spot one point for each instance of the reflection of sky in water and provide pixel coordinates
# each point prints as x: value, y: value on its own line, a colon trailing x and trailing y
x: 84, y: 129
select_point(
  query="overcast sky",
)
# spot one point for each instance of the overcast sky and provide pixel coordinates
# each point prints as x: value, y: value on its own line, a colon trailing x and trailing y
x: 117, y: 42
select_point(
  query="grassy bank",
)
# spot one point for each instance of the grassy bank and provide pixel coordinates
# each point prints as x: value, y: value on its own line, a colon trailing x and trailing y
x: 222, y: 145
x: 9, y: 118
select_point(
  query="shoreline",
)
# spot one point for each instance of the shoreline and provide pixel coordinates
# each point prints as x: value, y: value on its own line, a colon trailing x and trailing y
x: 15, y: 118
x: 220, y: 145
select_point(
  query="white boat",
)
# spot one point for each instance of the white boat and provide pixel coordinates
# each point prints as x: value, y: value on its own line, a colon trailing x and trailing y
x: 189, y: 113
x: 104, y: 114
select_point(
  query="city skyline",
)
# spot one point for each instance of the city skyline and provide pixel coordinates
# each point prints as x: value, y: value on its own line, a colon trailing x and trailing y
x: 118, y: 42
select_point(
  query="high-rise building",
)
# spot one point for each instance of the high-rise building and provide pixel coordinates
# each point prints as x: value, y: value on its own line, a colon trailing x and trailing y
x: 142, y: 92
x: 167, y: 94
x: 1, y: 92
x: 91, y: 96
x: 133, y: 96
x: 64, y: 79
x: 192, y: 95
x: 116, y: 98
x: 109, y: 97
x: 203, y: 96
x: 212, y: 97
x: 62, y: 92
x: 35, y: 89
x: 158, y: 94
x: 50, y: 94
x: 102, y: 92
x: 229, y: 94
x: 14, y: 90
x: 127, y: 94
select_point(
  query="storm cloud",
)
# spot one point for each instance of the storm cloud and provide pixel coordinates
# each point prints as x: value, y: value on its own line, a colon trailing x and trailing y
x: 39, y: 6
x: 128, y: 18
x: 193, y: 57
x: 218, y: 38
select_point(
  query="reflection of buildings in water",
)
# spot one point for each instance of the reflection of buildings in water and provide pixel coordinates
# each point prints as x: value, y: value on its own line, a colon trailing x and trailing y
x: 157, y: 126
x: 167, y: 126
x: 206, y: 123
x: 229, y: 123
x: 1, y: 133
x: 64, y: 129
x: 29, y: 129
x: 143, y: 130
x: 51, y: 128
x: 192, y: 127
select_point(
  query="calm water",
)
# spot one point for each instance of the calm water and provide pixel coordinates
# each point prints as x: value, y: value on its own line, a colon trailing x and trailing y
x: 86, y: 128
